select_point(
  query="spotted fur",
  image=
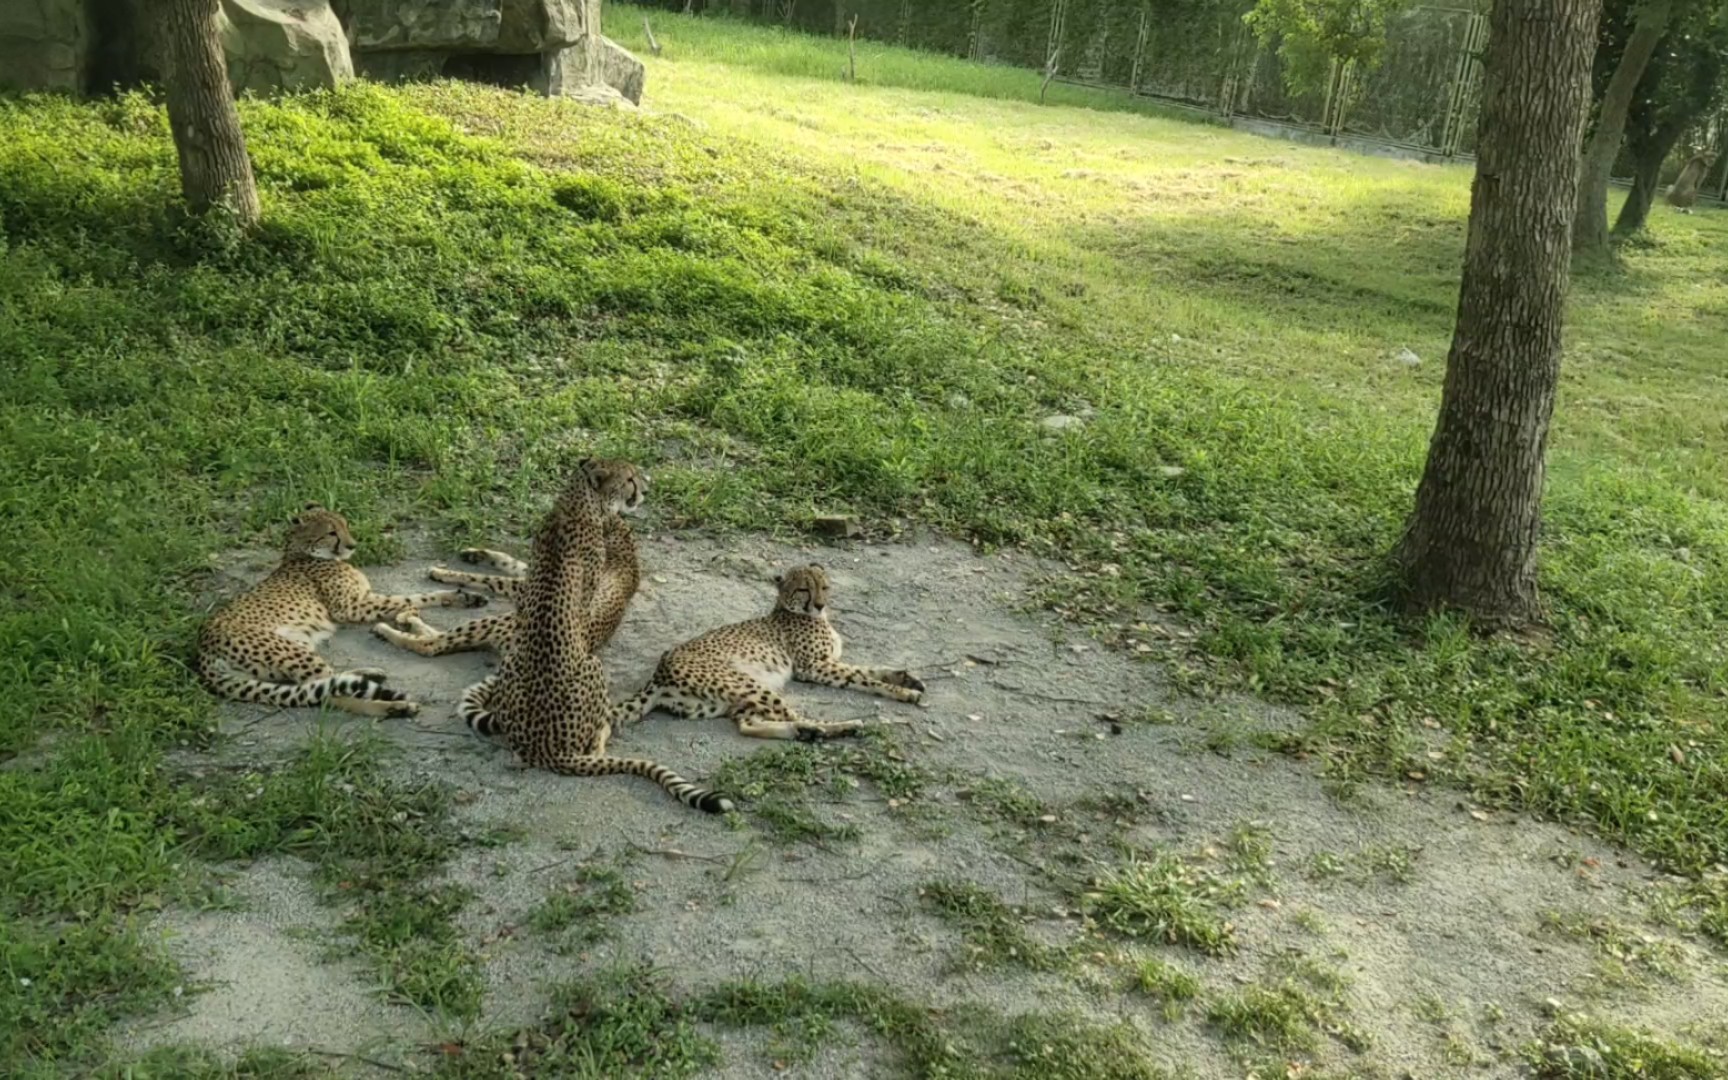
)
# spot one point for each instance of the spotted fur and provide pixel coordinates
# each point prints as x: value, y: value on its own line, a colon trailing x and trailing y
x: 738, y: 670
x: 620, y: 574
x: 262, y: 647
x: 548, y: 700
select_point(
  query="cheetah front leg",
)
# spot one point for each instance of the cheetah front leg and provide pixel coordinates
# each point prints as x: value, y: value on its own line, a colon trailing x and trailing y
x: 883, y: 682
x: 514, y: 572
x: 371, y: 606
x: 762, y: 714
x: 495, y: 584
x: 487, y: 633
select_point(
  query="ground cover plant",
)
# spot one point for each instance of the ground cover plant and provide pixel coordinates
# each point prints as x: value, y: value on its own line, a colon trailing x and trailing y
x: 794, y: 296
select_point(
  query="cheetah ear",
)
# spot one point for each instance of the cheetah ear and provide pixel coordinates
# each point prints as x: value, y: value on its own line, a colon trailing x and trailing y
x: 779, y: 579
x: 313, y: 506
x: 818, y: 566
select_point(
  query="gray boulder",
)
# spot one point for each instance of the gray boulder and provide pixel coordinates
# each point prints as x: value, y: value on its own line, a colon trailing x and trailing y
x: 275, y: 45
x: 486, y: 26
x: 620, y: 70
x: 44, y: 45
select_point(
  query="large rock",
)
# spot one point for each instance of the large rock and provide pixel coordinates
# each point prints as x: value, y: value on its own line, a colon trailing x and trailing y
x: 620, y: 70
x: 44, y: 45
x: 490, y: 26
x: 283, y: 45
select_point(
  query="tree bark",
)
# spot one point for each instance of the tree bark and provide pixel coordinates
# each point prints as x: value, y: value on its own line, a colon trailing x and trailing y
x: 1647, y: 158
x: 1471, y: 542
x: 214, y: 168
x: 1590, y: 227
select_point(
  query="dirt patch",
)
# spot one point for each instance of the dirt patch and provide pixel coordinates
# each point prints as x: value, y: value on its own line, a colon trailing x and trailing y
x: 264, y: 975
x: 1443, y: 938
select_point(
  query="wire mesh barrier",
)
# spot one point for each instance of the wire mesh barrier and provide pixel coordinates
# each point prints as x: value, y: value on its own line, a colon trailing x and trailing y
x: 1419, y: 95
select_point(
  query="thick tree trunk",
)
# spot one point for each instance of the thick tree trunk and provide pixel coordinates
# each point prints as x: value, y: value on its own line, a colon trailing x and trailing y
x: 1471, y: 542
x: 1647, y: 159
x: 214, y: 168
x: 1590, y: 227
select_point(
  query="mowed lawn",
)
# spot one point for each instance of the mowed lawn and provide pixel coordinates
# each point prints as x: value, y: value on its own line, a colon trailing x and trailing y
x: 789, y: 295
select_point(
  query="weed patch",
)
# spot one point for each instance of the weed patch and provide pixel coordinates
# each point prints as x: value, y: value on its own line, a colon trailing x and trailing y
x: 1165, y: 899
x: 995, y: 934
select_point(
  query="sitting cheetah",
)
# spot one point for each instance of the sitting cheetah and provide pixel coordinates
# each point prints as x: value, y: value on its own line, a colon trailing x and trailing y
x: 262, y: 646
x: 738, y: 670
x: 619, y: 576
x: 548, y: 700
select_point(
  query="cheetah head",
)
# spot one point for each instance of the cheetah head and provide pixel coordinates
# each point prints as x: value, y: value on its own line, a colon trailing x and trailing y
x: 621, y: 486
x: 320, y: 534
x: 804, y: 590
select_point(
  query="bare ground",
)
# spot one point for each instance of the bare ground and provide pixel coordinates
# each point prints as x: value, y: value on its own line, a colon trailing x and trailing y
x: 1433, y: 914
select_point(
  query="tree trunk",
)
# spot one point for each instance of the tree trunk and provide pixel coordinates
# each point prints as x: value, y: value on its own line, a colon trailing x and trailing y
x: 1590, y: 227
x: 1647, y: 159
x: 214, y: 168
x: 1471, y: 542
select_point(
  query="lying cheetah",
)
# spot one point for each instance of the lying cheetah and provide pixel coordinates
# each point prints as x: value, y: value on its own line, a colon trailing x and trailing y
x: 738, y: 670
x: 548, y: 700
x: 262, y: 646
x: 620, y: 574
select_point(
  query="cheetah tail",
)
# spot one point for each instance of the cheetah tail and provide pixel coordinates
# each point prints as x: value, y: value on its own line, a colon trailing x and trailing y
x: 473, y: 707
x: 691, y: 795
x: 224, y: 681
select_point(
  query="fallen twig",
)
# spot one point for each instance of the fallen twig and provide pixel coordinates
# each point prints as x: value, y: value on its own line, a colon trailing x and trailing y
x: 363, y: 1059
x: 674, y: 853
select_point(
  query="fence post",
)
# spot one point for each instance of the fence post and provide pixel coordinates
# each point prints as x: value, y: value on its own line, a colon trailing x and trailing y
x: 1140, y: 46
x: 1464, y: 77
x: 1053, y: 48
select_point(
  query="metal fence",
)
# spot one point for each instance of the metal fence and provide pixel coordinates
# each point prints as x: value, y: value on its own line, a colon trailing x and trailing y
x: 1421, y: 97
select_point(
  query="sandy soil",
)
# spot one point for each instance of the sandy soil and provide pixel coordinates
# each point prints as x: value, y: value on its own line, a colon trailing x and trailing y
x: 1450, y: 963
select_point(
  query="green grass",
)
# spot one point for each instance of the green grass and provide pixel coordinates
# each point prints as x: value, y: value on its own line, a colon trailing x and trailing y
x: 935, y: 1043
x: 1172, y: 987
x: 624, y: 1022
x: 1578, y: 1047
x: 780, y: 786
x: 995, y: 934
x: 578, y: 910
x: 1166, y: 899
x: 799, y: 295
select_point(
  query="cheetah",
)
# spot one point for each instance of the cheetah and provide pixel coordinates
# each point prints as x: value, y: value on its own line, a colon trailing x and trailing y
x: 548, y: 700
x: 262, y: 647
x: 620, y: 575
x: 738, y: 670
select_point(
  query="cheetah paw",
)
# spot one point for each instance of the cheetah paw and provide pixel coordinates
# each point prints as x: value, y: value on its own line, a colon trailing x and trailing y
x: 473, y: 556
x: 401, y: 710
x: 464, y: 598
x: 906, y: 680
x: 442, y: 573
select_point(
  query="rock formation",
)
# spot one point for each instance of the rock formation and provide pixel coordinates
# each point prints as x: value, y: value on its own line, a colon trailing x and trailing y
x: 554, y: 46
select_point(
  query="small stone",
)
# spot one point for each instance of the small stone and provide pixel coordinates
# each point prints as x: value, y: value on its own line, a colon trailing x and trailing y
x: 1171, y: 471
x: 1407, y: 358
x: 1060, y: 422
x: 836, y: 526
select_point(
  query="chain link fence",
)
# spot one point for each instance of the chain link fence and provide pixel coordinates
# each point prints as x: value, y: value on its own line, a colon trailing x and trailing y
x: 1197, y: 53
x: 1420, y: 98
